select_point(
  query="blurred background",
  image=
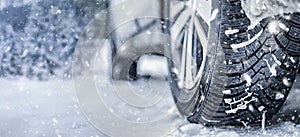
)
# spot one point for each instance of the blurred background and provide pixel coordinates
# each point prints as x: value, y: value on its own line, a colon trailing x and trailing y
x: 38, y: 37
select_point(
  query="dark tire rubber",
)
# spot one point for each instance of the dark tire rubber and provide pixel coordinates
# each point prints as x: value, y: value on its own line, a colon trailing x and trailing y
x: 248, y: 84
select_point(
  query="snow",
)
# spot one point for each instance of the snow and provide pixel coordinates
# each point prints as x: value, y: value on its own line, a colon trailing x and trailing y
x: 156, y: 63
x: 57, y: 112
x: 214, y: 15
x: 261, y: 108
x: 235, y: 47
x: 272, y: 68
x: 276, y: 60
x: 14, y: 3
x: 231, y: 31
x: 273, y: 27
x: 33, y: 108
x: 286, y: 82
x: 279, y: 96
x: 283, y: 27
x: 257, y: 10
x: 227, y: 92
x: 39, y: 42
x: 263, y: 121
x: 248, y: 79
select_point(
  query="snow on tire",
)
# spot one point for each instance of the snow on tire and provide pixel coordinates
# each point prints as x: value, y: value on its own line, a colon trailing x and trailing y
x: 250, y: 70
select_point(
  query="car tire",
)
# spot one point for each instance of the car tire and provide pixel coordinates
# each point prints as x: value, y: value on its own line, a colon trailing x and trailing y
x: 249, y: 70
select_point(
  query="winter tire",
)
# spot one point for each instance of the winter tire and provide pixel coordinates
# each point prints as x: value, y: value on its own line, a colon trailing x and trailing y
x: 249, y: 70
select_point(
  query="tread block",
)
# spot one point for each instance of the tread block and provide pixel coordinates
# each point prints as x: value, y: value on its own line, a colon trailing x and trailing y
x: 250, y: 62
x: 293, y: 47
x: 295, y: 18
x: 280, y: 55
x: 252, y: 48
x: 234, y: 68
x: 230, y: 55
x: 282, y: 39
x: 294, y: 32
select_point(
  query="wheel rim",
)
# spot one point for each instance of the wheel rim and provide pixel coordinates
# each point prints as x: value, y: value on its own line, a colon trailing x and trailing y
x: 193, y: 37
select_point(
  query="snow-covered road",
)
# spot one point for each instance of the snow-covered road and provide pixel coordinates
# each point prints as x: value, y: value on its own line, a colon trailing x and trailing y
x: 35, y: 109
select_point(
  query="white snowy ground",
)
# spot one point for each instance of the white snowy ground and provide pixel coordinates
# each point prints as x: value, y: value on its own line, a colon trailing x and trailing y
x: 35, y: 109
